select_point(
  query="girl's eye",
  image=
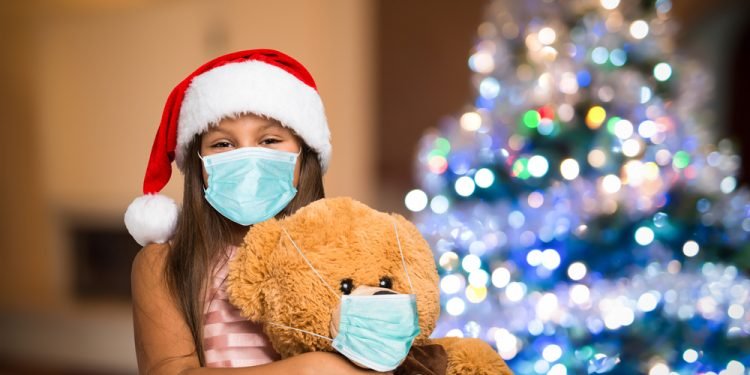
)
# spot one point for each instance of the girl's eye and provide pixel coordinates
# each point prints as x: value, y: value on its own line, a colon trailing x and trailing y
x: 221, y: 145
x: 270, y: 141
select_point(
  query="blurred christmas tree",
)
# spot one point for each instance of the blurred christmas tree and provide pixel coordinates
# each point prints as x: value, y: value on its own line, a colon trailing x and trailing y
x: 584, y: 217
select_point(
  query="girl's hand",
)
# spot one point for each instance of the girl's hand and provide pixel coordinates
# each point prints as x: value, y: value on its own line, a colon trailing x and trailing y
x: 333, y: 364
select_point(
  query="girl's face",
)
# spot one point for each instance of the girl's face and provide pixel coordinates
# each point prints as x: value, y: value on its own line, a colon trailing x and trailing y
x: 248, y: 131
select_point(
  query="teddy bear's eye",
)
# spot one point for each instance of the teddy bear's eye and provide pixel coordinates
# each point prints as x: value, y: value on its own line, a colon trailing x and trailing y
x: 347, y: 285
x: 386, y: 282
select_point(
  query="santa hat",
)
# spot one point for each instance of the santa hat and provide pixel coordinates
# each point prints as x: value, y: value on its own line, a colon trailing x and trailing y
x: 261, y: 81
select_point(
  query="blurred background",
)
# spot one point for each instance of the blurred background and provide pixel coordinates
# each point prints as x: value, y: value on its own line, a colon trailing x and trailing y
x: 82, y: 85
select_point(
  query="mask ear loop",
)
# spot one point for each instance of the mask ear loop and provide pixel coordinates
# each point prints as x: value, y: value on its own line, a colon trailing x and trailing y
x: 403, y: 261
x: 310, y: 264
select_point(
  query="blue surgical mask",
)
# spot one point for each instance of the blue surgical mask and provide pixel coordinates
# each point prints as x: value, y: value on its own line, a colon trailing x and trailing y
x: 375, y: 331
x: 249, y: 185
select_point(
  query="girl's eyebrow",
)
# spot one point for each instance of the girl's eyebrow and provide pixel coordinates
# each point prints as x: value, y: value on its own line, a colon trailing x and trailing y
x: 271, y: 125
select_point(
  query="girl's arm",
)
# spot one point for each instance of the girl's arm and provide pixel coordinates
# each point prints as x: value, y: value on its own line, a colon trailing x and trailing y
x: 163, y: 342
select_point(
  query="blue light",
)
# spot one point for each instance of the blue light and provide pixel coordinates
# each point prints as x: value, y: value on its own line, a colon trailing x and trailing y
x: 584, y: 78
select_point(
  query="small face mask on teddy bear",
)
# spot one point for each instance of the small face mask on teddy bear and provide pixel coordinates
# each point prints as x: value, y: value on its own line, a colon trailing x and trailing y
x: 375, y: 331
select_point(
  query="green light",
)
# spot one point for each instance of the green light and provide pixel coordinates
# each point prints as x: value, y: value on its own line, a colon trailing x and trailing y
x: 520, y: 168
x: 443, y: 145
x: 611, y: 124
x: 681, y: 159
x: 531, y: 119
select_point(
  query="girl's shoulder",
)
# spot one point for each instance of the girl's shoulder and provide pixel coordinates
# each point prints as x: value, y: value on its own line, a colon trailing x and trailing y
x: 149, y: 262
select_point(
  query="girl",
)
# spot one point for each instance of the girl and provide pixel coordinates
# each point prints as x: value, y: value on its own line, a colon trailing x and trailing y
x: 249, y: 132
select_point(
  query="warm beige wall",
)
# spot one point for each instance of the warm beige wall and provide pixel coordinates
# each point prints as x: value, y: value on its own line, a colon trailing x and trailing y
x: 98, y: 76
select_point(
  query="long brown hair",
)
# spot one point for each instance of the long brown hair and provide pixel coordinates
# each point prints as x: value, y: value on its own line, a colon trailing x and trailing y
x: 203, y: 234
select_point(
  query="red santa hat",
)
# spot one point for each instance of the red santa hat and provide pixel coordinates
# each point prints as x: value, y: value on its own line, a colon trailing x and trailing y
x: 260, y: 81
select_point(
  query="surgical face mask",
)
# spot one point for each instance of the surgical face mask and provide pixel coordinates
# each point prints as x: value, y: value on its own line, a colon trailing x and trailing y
x: 375, y: 331
x: 249, y: 185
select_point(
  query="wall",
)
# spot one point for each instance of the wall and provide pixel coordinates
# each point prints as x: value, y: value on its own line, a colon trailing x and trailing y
x: 83, y: 89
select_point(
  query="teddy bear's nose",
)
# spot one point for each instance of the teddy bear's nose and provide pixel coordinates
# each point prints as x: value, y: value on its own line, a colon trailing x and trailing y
x: 383, y: 292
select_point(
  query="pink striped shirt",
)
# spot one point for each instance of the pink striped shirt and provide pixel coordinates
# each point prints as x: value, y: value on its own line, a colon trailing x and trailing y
x: 230, y: 340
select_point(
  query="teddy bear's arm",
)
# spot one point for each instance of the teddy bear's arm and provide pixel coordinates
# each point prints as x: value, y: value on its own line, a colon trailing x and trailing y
x: 472, y: 356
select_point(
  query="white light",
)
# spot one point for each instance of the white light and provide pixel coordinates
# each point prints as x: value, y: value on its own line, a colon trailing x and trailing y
x: 541, y: 366
x: 639, y: 29
x: 515, y: 291
x: 735, y: 367
x: 535, y: 327
x: 659, y: 369
x: 482, y: 62
x: 500, y: 277
x: 439, y: 204
x: 479, y: 278
x: 471, y: 263
x: 690, y: 248
x: 648, y: 301
x: 610, y: 4
x: 464, y: 186
x: 597, y: 158
x: 662, y: 71
x: 728, y: 184
x: 611, y: 184
x: 580, y: 294
x: 471, y: 121
x: 489, y: 88
x: 550, y: 259
x: 516, y: 219
x: 644, y: 236
x: 547, y: 306
x: 455, y: 332
x: 552, y: 353
x: 566, y: 111
x: 599, y: 55
x: 547, y: 36
x: 690, y: 356
x: 534, y: 257
x: 507, y: 343
x: 577, y: 271
x: 647, y: 129
x: 538, y: 166
x: 645, y: 94
x: 484, y: 178
x: 568, y: 85
x: 416, y: 200
x: 736, y: 311
x: 535, y: 199
x: 631, y: 147
x: 623, y: 129
x: 558, y: 369
x: 455, y: 306
x: 450, y: 284
x: 569, y: 169
x: 626, y: 315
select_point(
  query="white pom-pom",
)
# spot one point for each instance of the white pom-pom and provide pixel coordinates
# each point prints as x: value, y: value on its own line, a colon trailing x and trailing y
x: 151, y: 218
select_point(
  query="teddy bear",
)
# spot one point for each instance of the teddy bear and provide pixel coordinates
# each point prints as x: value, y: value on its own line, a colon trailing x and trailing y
x: 293, y: 275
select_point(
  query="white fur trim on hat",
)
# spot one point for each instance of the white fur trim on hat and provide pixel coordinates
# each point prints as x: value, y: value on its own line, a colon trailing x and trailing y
x: 253, y: 87
x: 151, y: 218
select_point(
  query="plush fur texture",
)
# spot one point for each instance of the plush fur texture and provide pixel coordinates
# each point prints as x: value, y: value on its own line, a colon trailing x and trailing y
x: 343, y: 239
x: 253, y: 87
x: 151, y: 218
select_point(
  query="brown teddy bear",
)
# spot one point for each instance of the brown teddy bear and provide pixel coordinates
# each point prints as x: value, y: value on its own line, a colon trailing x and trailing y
x: 293, y: 274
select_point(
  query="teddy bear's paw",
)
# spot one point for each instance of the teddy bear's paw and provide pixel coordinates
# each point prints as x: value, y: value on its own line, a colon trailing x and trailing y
x: 469, y: 356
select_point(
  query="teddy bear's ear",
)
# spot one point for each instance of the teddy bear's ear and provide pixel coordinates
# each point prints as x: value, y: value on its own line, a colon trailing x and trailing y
x: 249, y: 270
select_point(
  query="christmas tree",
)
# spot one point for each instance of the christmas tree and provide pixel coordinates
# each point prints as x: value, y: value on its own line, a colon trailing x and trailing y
x: 584, y: 217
